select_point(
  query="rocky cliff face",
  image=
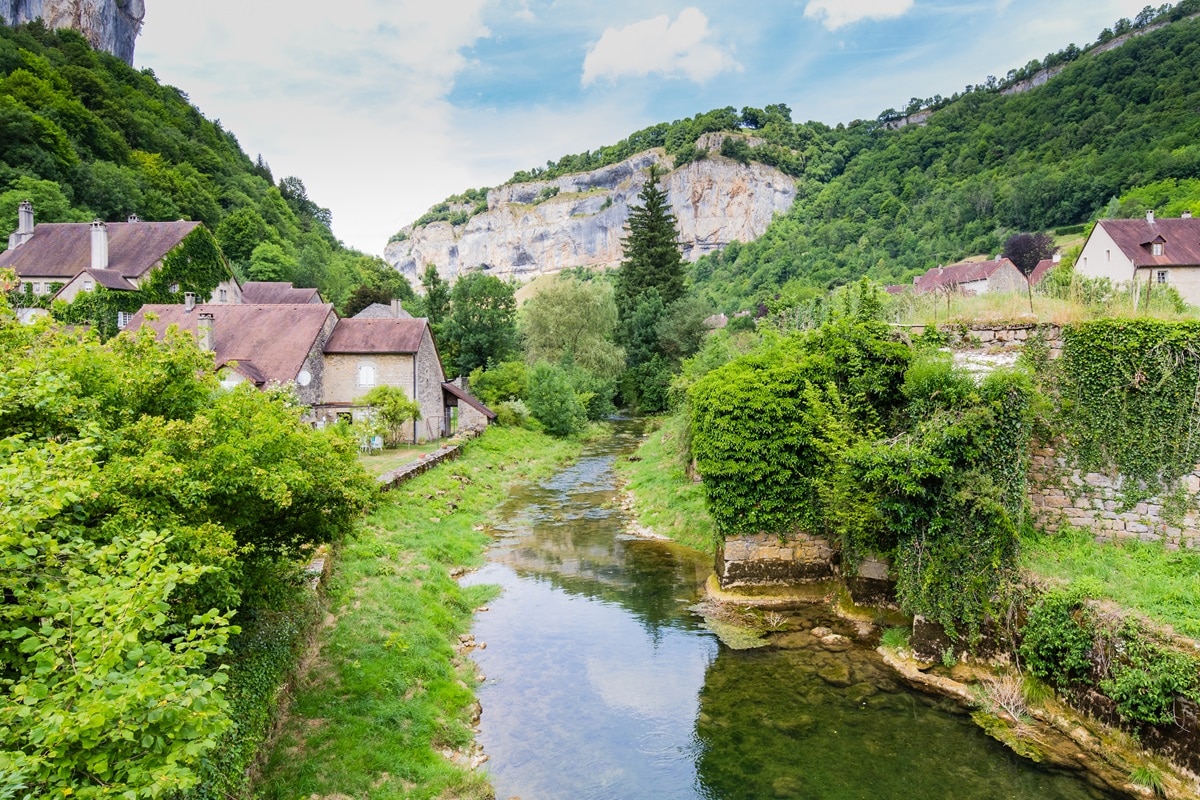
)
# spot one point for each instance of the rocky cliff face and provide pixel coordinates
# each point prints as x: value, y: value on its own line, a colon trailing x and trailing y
x: 109, y: 25
x: 579, y: 220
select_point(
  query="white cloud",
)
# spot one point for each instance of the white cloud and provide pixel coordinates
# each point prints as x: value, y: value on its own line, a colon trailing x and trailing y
x: 836, y: 13
x: 352, y: 98
x: 675, y: 49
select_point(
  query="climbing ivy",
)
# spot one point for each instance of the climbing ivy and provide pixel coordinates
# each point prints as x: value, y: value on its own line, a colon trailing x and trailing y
x: 841, y: 432
x: 1130, y: 398
x: 194, y: 265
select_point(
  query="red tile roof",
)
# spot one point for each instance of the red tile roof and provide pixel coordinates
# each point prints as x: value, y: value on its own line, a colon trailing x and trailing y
x: 957, y: 274
x: 1041, y: 270
x: 277, y: 292
x: 1180, y: 239
x: 395, y: 335
x: 64, y: 249
x: 272, y: 340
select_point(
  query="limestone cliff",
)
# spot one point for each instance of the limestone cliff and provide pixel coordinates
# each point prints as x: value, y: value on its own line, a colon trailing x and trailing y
x: 109, y: 25
x: 579, y: 220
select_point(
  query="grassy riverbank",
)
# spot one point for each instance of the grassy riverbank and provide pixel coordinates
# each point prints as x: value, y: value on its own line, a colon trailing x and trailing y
x: 665, y: 499
x: 384, y: 695
x: 1143, y: 577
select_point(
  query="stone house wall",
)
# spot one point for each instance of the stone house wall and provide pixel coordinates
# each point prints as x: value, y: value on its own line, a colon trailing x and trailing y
x: 430, y: 376
x: 760, y: 559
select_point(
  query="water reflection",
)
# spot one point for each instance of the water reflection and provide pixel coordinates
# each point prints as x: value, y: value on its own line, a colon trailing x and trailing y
x: 601, y: 684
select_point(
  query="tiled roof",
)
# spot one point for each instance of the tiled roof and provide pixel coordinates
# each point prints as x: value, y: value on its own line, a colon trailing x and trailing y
x: 382, y: 311
x: 1180, y: 239
x: 64, y: 249
x: 391, y: 335
x: 1041, y: 270
x: 469, y: 399
x: 274, y: 340
x: 958, y: 274
x: 277, y: 292
x: 110, y: 279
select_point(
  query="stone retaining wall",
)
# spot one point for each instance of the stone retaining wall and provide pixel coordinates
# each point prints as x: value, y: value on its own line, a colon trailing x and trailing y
x: 390, y: 480
x: 993, y: 336
x: 1095, y: 501
x: 766, y: 559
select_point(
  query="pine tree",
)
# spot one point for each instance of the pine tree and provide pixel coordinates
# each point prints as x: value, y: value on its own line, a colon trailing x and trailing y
x: 652, y: 258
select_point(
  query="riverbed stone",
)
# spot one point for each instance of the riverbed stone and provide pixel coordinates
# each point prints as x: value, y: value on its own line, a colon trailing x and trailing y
x: 836, y: 674
x: 835, y: 643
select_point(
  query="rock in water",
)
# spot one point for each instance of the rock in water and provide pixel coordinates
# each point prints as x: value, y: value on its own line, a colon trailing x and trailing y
x: 108, y: 25
x: 540, y: 227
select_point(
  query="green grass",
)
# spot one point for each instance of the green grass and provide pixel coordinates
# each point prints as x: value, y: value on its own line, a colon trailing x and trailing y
x: 1146, y: 577
x: 386, y: 694
x: 378, y: 463
x: 665, y: 499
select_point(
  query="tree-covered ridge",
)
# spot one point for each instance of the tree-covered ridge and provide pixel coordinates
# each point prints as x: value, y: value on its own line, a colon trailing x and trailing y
x: 982, y: 168
x: 85, y: 136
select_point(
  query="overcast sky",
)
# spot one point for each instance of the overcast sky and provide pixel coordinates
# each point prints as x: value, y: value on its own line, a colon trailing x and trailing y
x: 385, y: 107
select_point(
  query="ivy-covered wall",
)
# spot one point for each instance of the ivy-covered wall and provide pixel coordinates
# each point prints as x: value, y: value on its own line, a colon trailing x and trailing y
x: 194, y: 265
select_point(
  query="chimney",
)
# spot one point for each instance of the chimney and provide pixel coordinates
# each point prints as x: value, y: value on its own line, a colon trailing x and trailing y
x: 204, y: 331
x: 99, y: 245
x: 133, y: 218
x: 1150, y: 216
x: 24, y: 230
x: 396, y: 308
x: 189, y: 302
x: 1056, y: 258
x: 1186, y: 215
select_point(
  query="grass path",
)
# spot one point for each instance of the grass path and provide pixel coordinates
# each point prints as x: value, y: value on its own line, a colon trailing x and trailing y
x: 384, y: 707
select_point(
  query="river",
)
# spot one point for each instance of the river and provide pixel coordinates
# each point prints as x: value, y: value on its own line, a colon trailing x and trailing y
x: 601, y: 683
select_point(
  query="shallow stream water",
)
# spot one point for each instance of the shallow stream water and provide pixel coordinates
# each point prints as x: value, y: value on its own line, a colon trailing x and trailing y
x: 600, y: 683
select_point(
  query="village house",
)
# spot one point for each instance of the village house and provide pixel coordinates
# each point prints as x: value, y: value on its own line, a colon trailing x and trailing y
x: 331, y: 362
x: 1147, y: 251
x: 65, y: 258
x: 972, y: 278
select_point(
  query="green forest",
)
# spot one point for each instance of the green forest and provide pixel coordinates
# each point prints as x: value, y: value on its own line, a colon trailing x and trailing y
x: 85, y: 136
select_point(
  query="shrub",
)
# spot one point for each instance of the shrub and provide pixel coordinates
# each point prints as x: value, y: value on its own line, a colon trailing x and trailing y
x: 1057, y: 640
x: 553, y: 401
x: 512, y: 413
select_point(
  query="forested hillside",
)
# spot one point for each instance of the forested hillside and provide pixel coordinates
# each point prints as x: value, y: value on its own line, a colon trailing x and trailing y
x: 985, y: 166
x: 85, y: 136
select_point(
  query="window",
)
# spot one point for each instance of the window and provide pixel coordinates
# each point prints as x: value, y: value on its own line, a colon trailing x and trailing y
x: 1161, y: 276
x: 366, y: 374
x: 224, y: 295
x: 37, y: 288
x: 1108, y: 255
x: 88, y: 285
x: 173, y: 288
x: 123, y: 318
x: 1156, y: 249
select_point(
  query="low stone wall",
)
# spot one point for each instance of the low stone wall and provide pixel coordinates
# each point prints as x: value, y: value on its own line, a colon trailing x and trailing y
x: 390, y: 480
x: 994, y: 336
x: 768, y: 559
x: 1060, y: 495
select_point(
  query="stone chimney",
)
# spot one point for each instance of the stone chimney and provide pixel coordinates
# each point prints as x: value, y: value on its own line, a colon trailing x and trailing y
x: 133, y: 218
x: 1150, y: 216
x: 24, y: 230
x: 397, y: 310
x: 204, y: 330
x: 99, y: 245
x: 189, y: 302
x: 1186, y: 215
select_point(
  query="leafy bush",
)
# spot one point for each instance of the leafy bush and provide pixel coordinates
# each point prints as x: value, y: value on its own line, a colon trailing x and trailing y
x: 1146, y: 678
x: 553, y: 402
x: 512, y: 413
x: 1057, y: 640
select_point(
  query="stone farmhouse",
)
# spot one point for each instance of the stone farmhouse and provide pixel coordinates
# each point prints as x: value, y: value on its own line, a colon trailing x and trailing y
x: 972, y: 278
x: 65, y: 258
x: 332, y: 362
x: 1149, y: 252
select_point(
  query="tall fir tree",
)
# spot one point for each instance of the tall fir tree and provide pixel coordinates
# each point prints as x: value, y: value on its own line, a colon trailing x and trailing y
x: 651, y: 250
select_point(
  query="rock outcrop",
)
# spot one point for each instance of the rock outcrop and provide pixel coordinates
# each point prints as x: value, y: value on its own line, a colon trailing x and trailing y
x: 109, y: 25
x: 541, y: 227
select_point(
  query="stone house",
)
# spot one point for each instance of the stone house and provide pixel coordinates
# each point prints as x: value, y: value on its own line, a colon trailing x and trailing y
x: 972, y: 278
x: 365, y: 353
x: 63, y: 259
x: 262, y: 344
x: 331, y: 362
x: 1147, y: 251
